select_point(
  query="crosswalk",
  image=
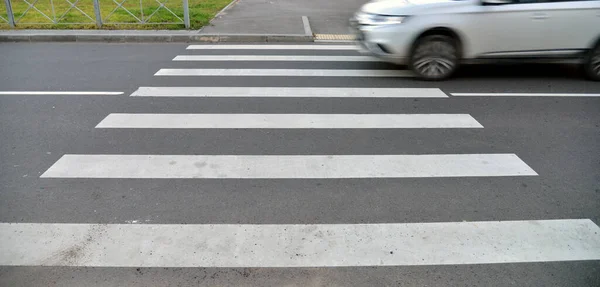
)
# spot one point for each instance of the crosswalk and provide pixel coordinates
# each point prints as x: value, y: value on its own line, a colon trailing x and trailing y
x: 288, y: 121
x: 292, y: 245
x: 267, y: 92
x: 273, y: 47
x: 283, y: 73
x: 318, y: 245
x: 202, y: 58
x: 288, y: 166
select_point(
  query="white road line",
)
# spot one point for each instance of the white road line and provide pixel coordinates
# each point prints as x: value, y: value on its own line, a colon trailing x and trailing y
x: 318, y: 245
x: 287, y: 166
x: 288, y: 121
x: 275, y: 58
x: 272, y: 47
x: 60, y: 93
x: 284, y: 72
x: 288, y: 92
x: 522, y: 95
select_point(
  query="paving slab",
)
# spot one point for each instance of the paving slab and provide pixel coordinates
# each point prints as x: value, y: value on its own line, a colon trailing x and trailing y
x: 284, y: 17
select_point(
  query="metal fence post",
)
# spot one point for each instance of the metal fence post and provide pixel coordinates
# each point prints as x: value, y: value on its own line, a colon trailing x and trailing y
x: 9, y: 14
x: 186, y: 14
x: 97, y: 12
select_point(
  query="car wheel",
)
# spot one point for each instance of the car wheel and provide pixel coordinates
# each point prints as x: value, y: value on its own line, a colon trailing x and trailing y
x: 434, y: 57
x: 592, y: 64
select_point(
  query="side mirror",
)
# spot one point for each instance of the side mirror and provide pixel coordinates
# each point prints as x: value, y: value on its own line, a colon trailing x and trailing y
x: 496, y: 2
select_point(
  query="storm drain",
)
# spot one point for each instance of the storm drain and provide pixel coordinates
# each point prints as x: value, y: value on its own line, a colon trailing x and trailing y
x: 336, y: 37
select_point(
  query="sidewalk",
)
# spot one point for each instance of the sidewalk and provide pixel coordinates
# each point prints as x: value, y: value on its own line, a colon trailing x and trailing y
x: 284, y: 17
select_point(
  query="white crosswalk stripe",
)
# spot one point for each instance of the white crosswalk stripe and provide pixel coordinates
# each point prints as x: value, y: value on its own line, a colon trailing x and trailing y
x: 293, y: 245
x: 273, y: 47
x: 312, y: 245
x: 248, y: 92
x: 288, y: 166
x: 275, y: 58
x: 288, y: 121
x: 283, y: 73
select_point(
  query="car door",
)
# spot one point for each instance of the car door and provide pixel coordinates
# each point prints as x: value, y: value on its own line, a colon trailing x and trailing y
x: 571, y: 26
x: 509, y: 29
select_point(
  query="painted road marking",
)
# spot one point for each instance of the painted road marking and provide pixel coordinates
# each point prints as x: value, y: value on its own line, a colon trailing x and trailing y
x: 284, y: 72
x: 59, y: 93
x: 276, y: 58
x: 288, y: 92
x: 288, y: 121
x: 312, y: 245
x: 287, y: 166
x: 522, y: 95
x: 272, y: 47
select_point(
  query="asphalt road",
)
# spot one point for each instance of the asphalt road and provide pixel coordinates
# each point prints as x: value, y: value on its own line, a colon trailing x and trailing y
x: 558, y: 137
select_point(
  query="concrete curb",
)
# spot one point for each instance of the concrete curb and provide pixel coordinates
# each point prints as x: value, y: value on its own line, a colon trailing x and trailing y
x: 150, y: 38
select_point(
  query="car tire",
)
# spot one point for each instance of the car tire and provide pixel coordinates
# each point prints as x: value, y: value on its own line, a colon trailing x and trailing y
x: 592, y: 63
x: 434, y: 57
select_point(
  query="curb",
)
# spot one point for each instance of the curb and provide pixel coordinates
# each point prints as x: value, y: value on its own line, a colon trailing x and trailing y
x: 153, y: 38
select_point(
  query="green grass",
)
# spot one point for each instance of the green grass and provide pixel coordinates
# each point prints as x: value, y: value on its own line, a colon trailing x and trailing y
x: 201, y: 12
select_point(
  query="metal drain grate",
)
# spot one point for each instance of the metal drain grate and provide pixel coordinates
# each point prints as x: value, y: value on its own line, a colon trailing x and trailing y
x: 338, y: 37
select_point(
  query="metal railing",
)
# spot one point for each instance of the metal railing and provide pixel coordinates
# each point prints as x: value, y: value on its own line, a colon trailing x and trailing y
x: 94, y: 12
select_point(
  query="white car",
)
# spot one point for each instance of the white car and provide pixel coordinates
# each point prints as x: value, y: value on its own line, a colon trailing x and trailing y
x: 433, y: 37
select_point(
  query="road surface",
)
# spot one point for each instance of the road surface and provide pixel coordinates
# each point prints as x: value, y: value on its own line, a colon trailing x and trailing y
x: 302, y: 165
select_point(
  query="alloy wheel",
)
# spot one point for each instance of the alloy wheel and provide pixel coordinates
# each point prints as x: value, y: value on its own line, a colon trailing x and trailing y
x: 595, y: 62
x: 592, y: 64
x: 434, y: 58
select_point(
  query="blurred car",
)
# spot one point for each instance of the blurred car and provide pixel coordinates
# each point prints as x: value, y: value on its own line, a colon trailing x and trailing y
x: 433, y: 37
